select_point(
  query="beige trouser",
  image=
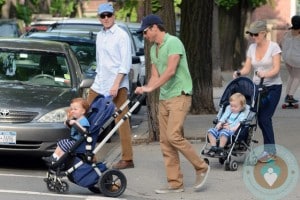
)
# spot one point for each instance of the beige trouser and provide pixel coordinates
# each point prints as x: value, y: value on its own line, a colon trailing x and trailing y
x: 124, y: 129
x: 293, y: 80
x: 172, y: 114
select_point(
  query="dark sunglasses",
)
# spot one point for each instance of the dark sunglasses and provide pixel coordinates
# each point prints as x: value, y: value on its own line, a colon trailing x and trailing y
x: 253, y: 34
x: 146, y: 29
x: 108, y: 15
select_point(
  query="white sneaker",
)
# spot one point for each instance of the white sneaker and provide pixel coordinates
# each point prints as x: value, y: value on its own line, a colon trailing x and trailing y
x: 169, y: 190
x: 201, y: 178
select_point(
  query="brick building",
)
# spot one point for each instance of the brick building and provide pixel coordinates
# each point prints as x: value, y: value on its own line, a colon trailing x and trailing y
x: 278, y: 16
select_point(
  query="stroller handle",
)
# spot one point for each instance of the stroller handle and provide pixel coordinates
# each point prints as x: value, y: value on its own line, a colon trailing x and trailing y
x: 260, y: 86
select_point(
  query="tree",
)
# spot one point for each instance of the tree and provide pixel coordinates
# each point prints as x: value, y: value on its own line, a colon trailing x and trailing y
x: 196, y: 34
x: 233, y: 15
x: 8, y: 9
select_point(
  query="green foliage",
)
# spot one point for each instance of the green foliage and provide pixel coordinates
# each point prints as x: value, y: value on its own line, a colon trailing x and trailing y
x: 24, y: 13
x: 2, y: 2
x: 62, y: 8
x: 128, y: 9
x: 228, y: 4
x: 156, y: 6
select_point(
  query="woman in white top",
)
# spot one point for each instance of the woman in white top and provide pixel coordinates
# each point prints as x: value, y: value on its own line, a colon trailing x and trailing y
x: 264, y: 57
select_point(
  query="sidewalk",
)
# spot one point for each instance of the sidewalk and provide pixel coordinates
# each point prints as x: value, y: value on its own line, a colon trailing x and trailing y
x: 149, y: 173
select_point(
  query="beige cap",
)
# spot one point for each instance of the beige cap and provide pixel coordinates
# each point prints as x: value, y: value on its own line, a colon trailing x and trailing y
x: 257, y: 27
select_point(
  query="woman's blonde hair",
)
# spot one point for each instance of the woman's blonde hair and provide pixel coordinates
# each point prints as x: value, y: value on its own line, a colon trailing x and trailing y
x: 238, y: 97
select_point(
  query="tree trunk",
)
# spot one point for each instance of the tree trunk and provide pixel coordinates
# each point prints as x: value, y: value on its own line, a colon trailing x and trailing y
x: 196, y: 34
x: 167, y: 14
x: 216, y: 59
x: 8, y: 9
x: 152, y: 98
x: 233, y: 46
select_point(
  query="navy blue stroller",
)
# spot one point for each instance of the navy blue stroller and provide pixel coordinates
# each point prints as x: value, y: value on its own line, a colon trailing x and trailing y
x: 241, y: 141
x: 77, y: 164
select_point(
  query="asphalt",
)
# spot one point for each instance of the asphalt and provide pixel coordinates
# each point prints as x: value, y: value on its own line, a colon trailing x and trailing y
x: 149, y: 173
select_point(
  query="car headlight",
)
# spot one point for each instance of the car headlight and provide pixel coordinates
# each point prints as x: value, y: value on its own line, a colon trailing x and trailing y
x: 59, y: 115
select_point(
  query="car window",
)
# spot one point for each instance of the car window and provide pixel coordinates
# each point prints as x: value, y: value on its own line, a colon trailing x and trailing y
x: 90, y: 27
x: 139, y: 40
x: 35, y: 68
x: 9, y: 30
x: 86, y: 55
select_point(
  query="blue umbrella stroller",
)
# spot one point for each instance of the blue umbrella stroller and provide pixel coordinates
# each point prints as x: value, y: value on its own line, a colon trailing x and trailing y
x: 241, y: 141
x: 77, y: 164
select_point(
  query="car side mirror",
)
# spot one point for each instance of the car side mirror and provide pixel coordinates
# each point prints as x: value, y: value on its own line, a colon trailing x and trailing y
x: 86, y: 83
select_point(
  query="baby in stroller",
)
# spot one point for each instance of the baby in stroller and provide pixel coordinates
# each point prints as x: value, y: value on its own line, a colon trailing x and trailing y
x: 234, y: 113
x: 77, y: 163
x: 76, y: 114
x: 232, y: 136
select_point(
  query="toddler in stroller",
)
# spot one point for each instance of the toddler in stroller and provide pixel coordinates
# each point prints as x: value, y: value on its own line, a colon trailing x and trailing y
x: 233, y: 131
x: 78, y: 163
x: 76, y: 114
x: 235, y: 113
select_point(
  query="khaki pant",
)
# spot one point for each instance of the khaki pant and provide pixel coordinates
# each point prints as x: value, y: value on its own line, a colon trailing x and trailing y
x: 172, y: 114
x: 124, y: 129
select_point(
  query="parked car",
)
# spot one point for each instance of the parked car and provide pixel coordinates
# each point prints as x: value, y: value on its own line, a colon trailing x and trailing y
x: 92, y: 26
x: 139, y: 41
x: 82, y: 43
x: 38, y: 79
x: 11, y: 28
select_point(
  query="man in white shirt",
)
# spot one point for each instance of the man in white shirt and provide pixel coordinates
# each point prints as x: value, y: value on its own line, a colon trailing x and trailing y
x: 113, y: 56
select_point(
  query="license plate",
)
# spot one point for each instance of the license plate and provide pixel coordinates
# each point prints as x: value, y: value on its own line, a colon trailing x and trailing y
x: 8, y: 137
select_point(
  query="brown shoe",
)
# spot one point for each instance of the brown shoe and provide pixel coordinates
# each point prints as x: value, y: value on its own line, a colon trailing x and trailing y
x: 123, y: 164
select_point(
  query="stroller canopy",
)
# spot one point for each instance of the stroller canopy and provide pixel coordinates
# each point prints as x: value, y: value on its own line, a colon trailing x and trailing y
x: 242, y: 85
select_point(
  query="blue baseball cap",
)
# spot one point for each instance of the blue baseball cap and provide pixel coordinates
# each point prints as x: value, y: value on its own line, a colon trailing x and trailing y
x: 105, y: 8
x: 149, y: 20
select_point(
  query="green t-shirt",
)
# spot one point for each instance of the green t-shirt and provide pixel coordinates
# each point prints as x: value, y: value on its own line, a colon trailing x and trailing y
x: 181, y: 81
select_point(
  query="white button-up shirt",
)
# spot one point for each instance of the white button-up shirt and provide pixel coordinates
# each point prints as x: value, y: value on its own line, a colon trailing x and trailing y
x: 113, y: 56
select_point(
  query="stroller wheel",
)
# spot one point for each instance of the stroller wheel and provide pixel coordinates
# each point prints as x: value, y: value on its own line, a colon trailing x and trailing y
x: 112, y: 183
x: 206, y: 160
x: 50, y: 185
x: 94, y: 189
x: 233, y: 165
x: 221, y: 161
x: 227, y: 165
x: 61, y: 187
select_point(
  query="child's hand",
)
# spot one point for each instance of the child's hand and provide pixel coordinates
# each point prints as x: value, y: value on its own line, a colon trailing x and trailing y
x: 72, y: 121
x: 226, y: 126
x: 69, y: 115
x: 219, y: 125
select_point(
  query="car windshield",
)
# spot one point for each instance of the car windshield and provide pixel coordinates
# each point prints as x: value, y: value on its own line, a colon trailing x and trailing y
x: 8, y: 30
x: 34, y: 68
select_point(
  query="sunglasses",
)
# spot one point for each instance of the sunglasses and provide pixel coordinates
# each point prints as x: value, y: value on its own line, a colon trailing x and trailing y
x: 108, y: 15
x: 146, y: 29
x: 253, y: 34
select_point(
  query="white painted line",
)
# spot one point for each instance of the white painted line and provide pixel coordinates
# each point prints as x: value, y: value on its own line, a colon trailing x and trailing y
x: 21, y: 175
x: 59, y: 195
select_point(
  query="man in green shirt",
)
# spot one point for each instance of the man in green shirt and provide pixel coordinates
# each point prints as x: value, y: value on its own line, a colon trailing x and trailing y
x: 170, y: 73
